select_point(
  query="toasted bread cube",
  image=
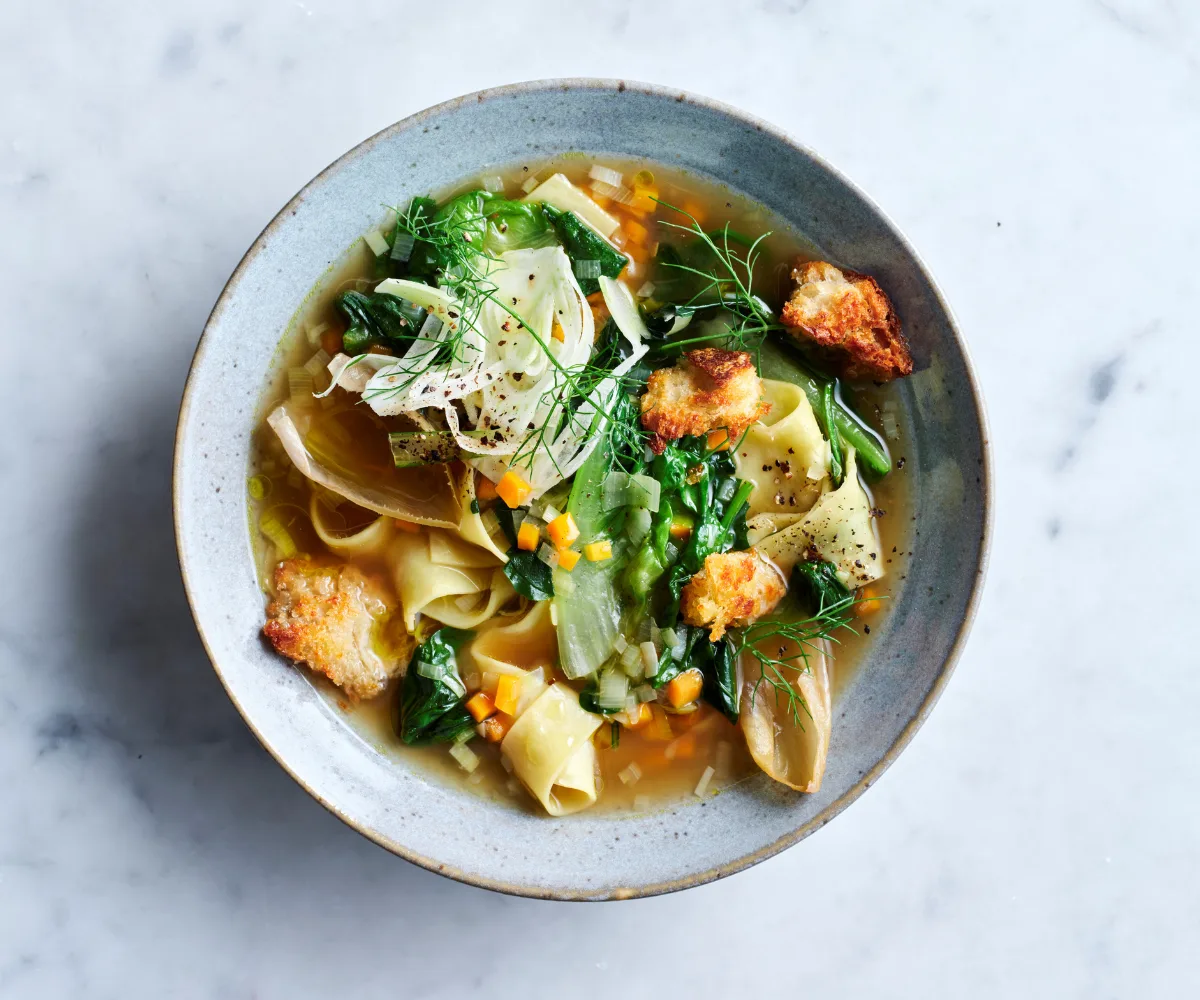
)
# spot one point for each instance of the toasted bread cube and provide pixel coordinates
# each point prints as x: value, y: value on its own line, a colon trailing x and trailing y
x: 848, y: 321
x: 733, y: 589
x: 325, y: 617
x: 708, y: 390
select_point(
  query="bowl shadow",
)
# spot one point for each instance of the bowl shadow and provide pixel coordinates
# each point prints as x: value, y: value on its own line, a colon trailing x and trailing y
x: 156, y: 709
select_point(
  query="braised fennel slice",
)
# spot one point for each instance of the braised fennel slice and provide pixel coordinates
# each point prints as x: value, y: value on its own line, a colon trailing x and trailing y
x: 586, y: 603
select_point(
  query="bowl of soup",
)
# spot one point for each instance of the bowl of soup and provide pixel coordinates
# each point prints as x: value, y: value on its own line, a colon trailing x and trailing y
x: 588, y: 459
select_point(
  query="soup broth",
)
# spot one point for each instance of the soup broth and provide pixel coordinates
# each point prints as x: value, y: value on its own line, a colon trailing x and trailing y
x: 676, y: 755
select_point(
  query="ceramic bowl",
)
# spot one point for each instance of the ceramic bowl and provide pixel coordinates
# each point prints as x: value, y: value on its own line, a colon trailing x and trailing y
x: 450, y: 830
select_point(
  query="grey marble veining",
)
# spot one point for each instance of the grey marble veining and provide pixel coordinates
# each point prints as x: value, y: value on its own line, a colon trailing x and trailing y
x: 1040, y: 835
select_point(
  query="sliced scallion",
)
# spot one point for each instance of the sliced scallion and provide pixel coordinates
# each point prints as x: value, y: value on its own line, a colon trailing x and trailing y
x: 402, y: 245
x: 612, y: 689
x: 300, y: 385
x: 277, y: 534
x: 587, y: 269
x: 467, y: 758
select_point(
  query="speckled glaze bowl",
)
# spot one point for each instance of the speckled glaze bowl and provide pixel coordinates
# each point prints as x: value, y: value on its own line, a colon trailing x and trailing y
x: 448, y: 830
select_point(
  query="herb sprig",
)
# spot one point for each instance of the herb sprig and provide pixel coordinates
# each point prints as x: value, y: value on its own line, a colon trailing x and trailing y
x: 464, y: 270
x: 769, y: 643
x: 728, y: 285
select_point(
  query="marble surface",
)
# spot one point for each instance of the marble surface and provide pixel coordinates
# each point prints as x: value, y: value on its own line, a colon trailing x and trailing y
x: 1038, y: 838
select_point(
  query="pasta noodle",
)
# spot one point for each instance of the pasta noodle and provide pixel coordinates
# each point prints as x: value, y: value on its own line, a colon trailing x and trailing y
x: 839, y: 528
x: 784, y: 455
x: 471, y: 526
x: 420, y: 581
x: 523, y: 648
x: 371, y: 540
x: 460, y: 613
x: 551, y: 752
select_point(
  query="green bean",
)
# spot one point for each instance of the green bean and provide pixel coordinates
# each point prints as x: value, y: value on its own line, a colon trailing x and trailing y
x: 779, y: 362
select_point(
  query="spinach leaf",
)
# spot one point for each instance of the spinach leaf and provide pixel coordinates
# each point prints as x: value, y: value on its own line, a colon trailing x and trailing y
x: 424, y: 258
x: 508, y: 524
x: 432, y: 695
x: 516, y: 225
x: 819, y: 582
x: 529, y: 576
x: 716, y: 661
x: 705, y: 483
x: 719, y: 667
x: 489, y: 221
x: 377, y: 318
x: 583, y: 243
x: 670, y: 664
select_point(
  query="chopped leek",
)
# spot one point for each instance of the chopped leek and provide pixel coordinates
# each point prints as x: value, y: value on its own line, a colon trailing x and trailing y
x: 467, y: 758
x: 277, y: 534
x: 375, y: 240
x: 638, y: 524
x: 612, y: 690
x: 402, y: 246
x: 623, y: 490
x: 607, y: 175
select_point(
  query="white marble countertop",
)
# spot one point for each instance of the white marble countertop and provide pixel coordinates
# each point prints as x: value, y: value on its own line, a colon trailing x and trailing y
x: 1039, y: 838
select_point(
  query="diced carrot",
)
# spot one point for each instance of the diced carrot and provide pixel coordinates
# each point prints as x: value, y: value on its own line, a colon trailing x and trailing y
x: 868, y: 602
x: 659, y: 728
x: 695, y: 210
x: 683, y: 748
x: 718, y: 440
x: 681, y: 530
x: 508, y: 693
x: 599, y: 199
x: 598, y: 551
x: 412, y: 529
x: 331, y: 342
x: 563, y: 530
x: 497, y: 727
x: 512, y: 489
x: 643, y: 201
x: 527, y: 537
x: 640, y: 717
x: 556, y: 332
x: 684, y: 688
x: 480, y: 706
x: 567, y: 558
x: 485, y: 489
x: 635, y: 232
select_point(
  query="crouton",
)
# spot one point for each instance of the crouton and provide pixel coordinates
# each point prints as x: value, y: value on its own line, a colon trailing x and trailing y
x: 849, y: 320
x: 325, y: 616
x: 708, y: 389
x: 733, y: 588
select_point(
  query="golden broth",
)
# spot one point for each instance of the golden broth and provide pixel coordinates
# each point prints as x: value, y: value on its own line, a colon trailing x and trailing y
x: 670, y: 765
